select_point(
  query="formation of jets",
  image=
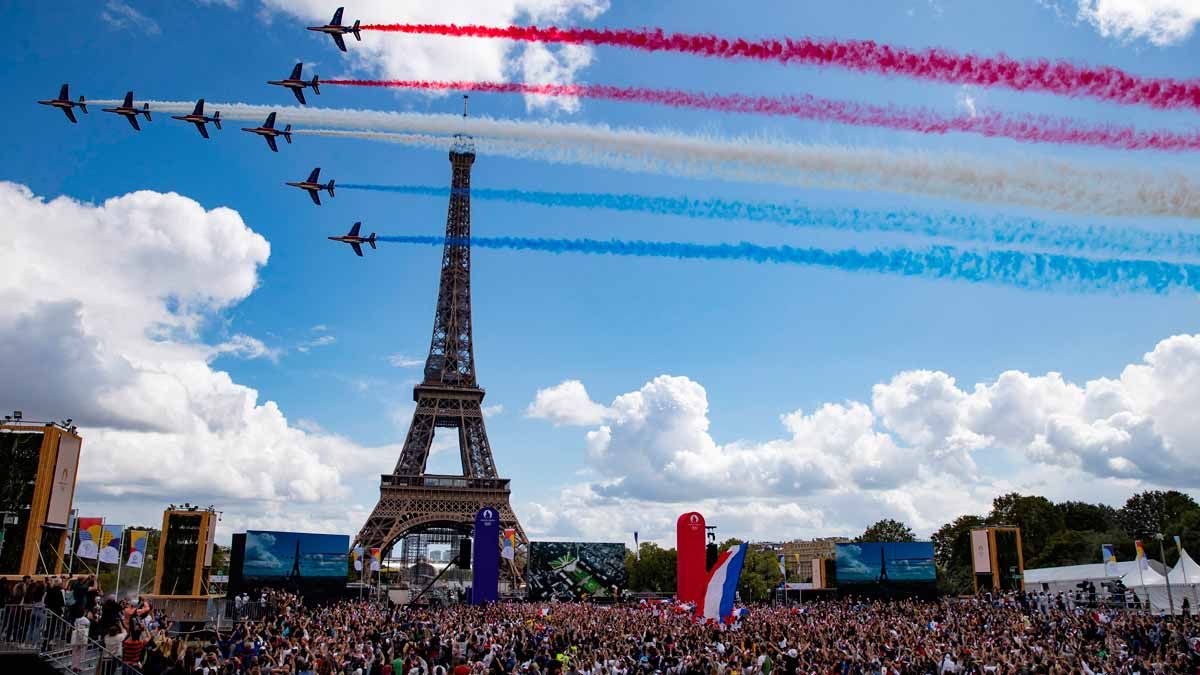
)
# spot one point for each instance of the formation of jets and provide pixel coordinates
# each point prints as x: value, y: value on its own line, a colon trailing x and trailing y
x: 267, y: 130
x: 355, y: 240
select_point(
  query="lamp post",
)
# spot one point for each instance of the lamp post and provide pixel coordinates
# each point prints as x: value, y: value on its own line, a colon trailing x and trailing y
x: 1162, y: 554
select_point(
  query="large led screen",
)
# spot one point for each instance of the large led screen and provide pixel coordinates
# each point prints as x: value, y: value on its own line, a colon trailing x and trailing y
x: 885, y: 563
x: 282, y: 555
x: 568, y: 570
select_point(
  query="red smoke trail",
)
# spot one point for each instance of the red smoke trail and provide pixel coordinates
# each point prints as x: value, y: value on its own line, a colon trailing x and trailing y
x: 1055, y: 77
x: 1028, y: 129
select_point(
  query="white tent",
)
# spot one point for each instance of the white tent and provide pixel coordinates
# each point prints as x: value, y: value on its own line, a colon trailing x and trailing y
x: 1056, y: 579
x: 1149, y: 576
x: 1185, y: 571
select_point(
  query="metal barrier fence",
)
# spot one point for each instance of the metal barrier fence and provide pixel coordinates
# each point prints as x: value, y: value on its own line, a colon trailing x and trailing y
x: 32, y: 629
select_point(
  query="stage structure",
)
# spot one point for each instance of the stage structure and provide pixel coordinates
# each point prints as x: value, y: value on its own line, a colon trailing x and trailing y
x: 997, y: 559
x: 420, y: 507
x: 39, y: 463
x: 185, y: 551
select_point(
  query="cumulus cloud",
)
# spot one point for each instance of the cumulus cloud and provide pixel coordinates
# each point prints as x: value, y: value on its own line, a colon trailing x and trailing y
x: 567, y: 403
x: 909, y: 454
x: 1159, y: 22
x: 442, y: 58
x: 403, y: 361
x: 114, y: 342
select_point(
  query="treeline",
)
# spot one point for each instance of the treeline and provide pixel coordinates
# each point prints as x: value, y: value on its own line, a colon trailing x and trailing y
x: 1052, y: 534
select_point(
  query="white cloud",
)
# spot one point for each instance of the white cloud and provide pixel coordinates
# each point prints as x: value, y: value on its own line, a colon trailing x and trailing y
x: 1160, y: 22
x: 909, y: 454
x: 319, y: 341
x: 493, y: 410
x: 403, y: 361
x: 445, y: 58
x: 567, y: 403
x: 247, y: 347
x: 122, y: 15
x: 965, y: 98
x: 114, y: 343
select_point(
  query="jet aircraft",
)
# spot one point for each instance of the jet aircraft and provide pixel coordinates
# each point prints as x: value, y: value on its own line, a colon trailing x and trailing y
x: 355, y: 240
x: 64, y: 103
x: 199, y: 119
x: 129, y: 112
x: 336, y: 30
x: 269, y: 132
x: 314, y: 187
x: 297, y: 85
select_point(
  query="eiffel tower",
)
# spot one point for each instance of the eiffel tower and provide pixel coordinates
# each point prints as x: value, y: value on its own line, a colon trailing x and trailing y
x: 411, y: 500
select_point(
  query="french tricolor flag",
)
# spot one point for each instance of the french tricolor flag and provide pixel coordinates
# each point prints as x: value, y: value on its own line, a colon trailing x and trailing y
x: 722, y: 584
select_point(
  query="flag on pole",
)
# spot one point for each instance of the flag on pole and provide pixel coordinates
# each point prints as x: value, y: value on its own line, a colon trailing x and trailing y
x: 637, y: 548
x: 1178, y: 545
x: 376, y: 559
x: 782, y: 567
x: 1142, y: 560
x: 110, y: 544
x: 508, y: 544
x: 89, y: 537
x: 1110, y: 560
x: 137, y: 548
x: 356, y: 558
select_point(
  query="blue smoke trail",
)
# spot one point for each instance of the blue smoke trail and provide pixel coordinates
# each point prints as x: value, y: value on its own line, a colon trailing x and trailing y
x: 990, y: 231
x: 1038, y: 271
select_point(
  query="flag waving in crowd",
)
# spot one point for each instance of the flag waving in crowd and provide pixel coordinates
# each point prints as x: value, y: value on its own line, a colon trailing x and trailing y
x: 722, y: 584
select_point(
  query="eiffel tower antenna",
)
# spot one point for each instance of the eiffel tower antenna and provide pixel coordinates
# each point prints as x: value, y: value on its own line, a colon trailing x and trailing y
x: 466, y: 98
x: 410, y: 500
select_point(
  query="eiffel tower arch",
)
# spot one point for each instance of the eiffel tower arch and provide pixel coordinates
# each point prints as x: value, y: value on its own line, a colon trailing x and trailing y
x: 413, y: 501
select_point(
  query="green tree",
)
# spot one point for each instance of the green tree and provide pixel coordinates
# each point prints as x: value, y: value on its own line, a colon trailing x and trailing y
x: 1187, y: 526
x: 1082, y: 516
x: 952, y: 554
x: 655, y: 572
x: 887, y: 530
x: 1036, y: 516
x: 760, y: 572
x: 1149, y: 513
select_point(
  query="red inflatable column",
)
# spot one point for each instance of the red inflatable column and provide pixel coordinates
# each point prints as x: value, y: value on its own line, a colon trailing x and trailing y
x: 690, y: 569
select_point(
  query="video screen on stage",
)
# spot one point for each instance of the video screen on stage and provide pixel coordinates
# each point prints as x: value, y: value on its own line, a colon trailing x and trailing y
x: 569, y: 570
x: 281, y: 555
x: 885, y: 563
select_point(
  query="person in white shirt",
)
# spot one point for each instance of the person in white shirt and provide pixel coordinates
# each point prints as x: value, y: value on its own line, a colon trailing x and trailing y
x: 79, y: 639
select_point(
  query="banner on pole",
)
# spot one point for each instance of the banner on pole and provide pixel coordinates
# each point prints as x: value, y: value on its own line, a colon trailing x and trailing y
x: 137, y: 548
x: 1142, y: 561
x: 782, y: 568
x: 1110, y: 560
x: 356, y: 558
x: 485, y: 563
x: 981, y: 552
x: 376, y: 559
x: 110, y: 544
x: 508, y: 544
x: 89, y: 537
x: 637, y: 548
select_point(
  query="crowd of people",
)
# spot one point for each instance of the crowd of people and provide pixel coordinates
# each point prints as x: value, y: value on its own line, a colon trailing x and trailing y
x: 1006, y: 634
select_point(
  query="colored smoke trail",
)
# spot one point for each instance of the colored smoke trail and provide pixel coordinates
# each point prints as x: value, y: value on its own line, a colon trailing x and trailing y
x: 1035, y: 271
x: 938, y: 65
x: 1004, y: 231
x: 1025, y: 128
x: 1052, y: 185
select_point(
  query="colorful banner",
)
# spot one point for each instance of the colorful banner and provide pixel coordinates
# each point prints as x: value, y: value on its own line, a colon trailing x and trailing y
x: 376, y: 559
x: 782, y: 569
x: 137, y: 548
x: 89, y: 537
x: 690, y: 568
x: 1142, y: 561
x: 110, y: 544
x: 485, y: 562
x: 1110, y: 560
x: 508, y: 544
x: 720, y: 587
x: 1178, y: 544
x: 356, y: 558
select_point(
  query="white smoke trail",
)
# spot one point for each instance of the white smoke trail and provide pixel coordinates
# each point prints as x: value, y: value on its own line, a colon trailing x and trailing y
x: 1059, y: 185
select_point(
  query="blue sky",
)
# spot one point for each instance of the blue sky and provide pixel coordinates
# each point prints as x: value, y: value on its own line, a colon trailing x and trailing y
x: 754, y: 342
